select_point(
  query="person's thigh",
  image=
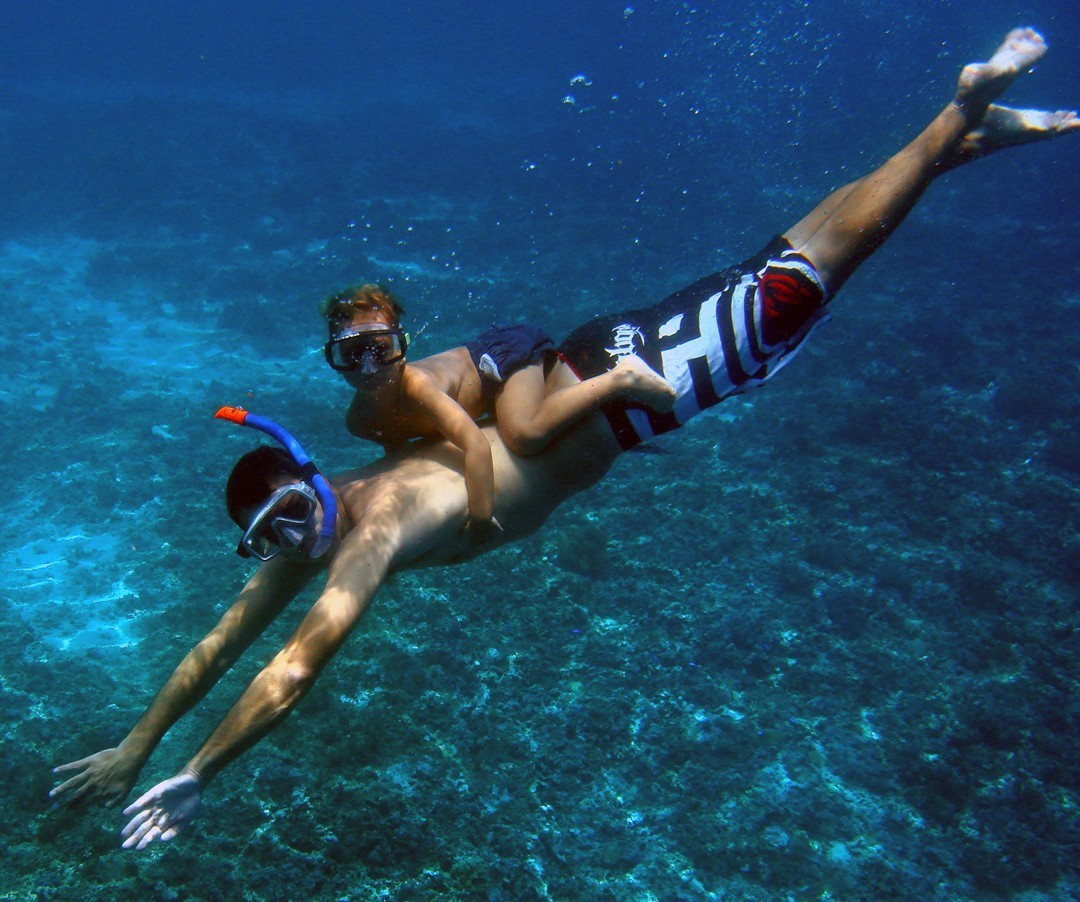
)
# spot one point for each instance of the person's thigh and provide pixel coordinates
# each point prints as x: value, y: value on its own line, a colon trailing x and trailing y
x: 520, y: 399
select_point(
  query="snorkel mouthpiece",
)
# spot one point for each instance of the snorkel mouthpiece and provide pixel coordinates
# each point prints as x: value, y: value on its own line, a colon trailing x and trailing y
x: 308, y: 471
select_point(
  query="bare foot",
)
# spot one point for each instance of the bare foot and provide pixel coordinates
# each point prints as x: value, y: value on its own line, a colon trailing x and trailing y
x: 1004, y: 126
x: 981, y: 83
x: 640, y: 383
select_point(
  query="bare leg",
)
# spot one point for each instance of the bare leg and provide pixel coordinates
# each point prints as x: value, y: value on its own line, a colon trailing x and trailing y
x: 806, y: 227
x: 853, y: 222
x: 1001, y: 127
x: 529, y: 420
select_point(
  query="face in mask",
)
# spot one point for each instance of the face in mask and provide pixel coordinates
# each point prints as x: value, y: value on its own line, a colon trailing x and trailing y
x: 286, y: 522
x: 365, y: 348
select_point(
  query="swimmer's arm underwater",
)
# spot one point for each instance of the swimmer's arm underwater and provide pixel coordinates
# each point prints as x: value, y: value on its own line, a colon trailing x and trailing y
x: 454, y: 424
x: 357, y: 573
x: 108, y: 775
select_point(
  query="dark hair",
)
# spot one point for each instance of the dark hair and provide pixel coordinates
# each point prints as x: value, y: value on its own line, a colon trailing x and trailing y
x: 255, y: 477
x: 340, y: 308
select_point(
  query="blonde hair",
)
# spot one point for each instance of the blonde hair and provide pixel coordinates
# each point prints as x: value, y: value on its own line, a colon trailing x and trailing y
x: 340, y: 308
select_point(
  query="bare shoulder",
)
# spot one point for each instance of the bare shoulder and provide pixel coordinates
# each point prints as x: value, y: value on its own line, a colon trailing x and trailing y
x: 442, y: 369
x: 411, y: 506
x: 456, y: 374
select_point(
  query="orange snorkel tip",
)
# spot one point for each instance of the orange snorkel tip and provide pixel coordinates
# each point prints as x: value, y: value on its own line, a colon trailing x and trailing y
x: 233, y: 414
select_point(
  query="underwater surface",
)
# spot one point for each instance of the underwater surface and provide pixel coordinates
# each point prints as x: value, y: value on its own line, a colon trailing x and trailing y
x: 823, y: 646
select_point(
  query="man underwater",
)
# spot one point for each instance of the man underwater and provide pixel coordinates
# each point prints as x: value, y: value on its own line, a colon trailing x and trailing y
x: 715, y: 338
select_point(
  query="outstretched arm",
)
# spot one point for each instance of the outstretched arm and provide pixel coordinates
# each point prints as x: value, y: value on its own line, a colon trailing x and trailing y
x: 357, y: 573
x: 108, y: 776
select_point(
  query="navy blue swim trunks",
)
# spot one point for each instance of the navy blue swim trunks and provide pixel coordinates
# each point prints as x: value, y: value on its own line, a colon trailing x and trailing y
x: 503, y: 350
x: 722, y: 335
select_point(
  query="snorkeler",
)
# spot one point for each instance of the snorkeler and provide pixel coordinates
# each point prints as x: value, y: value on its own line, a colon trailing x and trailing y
x: 501, y: 372
x: 717, y: 337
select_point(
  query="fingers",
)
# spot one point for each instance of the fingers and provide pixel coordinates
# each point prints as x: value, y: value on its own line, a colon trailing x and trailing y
x: 90, y: 782
x: 72, y: 765
x: 67, y: 786
x: 143, y: 801
x: 139, y: 820
x: 148, y: 826
x: 70, y: 799
x: 151, y: 834
x: 143, y: 828
x: 77, y: 791
x: 145, y: 834
x: 162, y: 813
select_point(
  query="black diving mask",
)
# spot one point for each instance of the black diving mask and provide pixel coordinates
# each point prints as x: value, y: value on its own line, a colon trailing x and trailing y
x: 366, y: 347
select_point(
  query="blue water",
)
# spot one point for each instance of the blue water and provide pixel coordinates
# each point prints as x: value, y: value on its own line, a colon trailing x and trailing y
x: 825, y: 647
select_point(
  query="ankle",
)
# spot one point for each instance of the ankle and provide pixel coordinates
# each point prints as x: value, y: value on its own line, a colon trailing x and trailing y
x: 618, y: 382
x: 969, y: 108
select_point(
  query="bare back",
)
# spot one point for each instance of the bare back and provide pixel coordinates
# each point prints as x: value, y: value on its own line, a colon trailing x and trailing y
x: 415, y: 498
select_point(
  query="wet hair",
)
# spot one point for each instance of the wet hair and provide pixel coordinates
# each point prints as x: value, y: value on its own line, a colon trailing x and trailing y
x: 255, y: 477
x: 340, y: 308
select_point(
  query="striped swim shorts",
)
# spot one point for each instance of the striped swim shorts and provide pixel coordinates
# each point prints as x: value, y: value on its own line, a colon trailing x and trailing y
x: 718, y: 337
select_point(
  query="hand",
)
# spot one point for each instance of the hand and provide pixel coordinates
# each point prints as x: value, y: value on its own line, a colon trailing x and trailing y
x: 163, y: 812
x: 106, y: 777
x: 480, y: 531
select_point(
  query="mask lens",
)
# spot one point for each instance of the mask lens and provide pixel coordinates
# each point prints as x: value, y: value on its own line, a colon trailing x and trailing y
x: 261, y: 544
x: 285, y: 521
x: 289, y: 536
x: 363, y: 351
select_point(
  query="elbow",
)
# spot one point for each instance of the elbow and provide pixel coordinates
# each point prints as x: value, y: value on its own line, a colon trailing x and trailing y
x: 290, y: 681
x: 212, y: 657
x: 298, y: 679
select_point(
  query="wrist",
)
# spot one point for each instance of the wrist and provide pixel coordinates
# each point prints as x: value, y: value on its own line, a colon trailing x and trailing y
x: 482, y: 528
x: 193, y: 772
x: 136, y: 748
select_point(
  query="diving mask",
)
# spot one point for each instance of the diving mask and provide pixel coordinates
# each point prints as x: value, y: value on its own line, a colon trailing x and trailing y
x: 285, y: 522
x: 365, y: 347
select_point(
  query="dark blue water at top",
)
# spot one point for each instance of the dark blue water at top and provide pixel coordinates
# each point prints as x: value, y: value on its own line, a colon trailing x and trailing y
x: 825, y: 646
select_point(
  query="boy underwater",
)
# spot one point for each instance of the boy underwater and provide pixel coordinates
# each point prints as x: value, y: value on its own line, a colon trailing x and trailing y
x: 501, y: 373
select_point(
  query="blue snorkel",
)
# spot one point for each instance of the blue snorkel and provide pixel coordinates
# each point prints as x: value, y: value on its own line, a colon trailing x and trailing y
x: 308, y: 471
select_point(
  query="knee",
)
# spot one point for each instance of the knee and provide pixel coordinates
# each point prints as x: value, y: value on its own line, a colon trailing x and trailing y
x: 522, y: 438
